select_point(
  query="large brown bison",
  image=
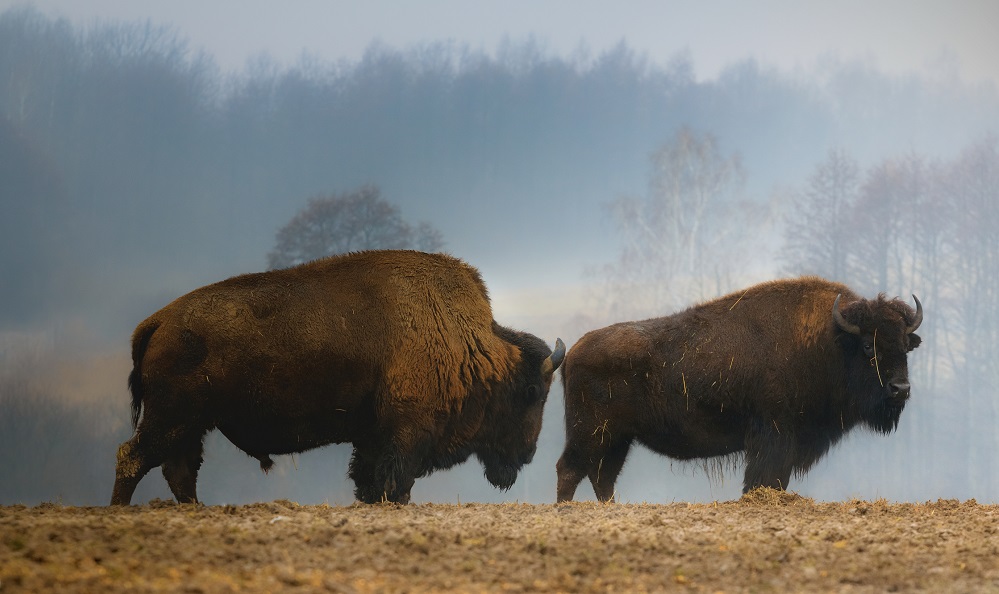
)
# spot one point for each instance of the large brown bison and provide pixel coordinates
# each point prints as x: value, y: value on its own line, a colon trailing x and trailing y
x: 780, y: 371
x: 395, y: 352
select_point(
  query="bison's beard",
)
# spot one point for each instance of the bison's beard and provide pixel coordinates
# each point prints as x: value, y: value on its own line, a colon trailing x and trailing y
x: 500, y: 474
x: 884, y: 416
x: 878, y: 409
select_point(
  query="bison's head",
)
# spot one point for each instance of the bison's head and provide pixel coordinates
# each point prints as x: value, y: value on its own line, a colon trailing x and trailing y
x: 876, y: 335
x: 508, y: 437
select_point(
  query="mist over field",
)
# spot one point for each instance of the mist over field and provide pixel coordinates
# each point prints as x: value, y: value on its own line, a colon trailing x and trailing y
x: 134, y: 168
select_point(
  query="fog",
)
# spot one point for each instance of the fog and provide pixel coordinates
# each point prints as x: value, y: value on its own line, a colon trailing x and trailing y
x: 136, y: 166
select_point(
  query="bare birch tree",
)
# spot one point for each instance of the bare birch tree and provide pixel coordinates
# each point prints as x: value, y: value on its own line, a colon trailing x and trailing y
x: 673, y: 234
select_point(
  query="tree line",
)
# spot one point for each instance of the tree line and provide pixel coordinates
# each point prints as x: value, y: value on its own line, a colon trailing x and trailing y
x: 134, y: 140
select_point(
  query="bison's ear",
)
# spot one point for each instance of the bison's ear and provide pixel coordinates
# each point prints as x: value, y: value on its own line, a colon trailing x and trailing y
x: 914, y: 341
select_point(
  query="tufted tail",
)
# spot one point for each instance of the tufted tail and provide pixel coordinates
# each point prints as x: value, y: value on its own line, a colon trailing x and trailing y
x: 140, y: 340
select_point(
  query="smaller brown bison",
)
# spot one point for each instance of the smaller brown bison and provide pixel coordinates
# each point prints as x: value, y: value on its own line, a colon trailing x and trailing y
x: 779, y: 371
x: 395, y: 352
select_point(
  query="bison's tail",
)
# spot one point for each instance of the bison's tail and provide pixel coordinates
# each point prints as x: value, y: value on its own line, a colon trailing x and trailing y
x: 140, y: 340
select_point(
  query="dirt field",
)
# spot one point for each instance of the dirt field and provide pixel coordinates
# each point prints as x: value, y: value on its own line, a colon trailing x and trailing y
x: 766, y: 542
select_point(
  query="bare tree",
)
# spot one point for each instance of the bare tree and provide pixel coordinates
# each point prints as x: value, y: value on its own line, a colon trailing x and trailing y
x: 974, y: 199
x: 672, y: 235
x: 816, y: 228
x: 358, y: 220
x: 885, y: 225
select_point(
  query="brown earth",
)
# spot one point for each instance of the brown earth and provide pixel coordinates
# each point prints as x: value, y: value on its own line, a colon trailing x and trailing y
x: 767, y: 541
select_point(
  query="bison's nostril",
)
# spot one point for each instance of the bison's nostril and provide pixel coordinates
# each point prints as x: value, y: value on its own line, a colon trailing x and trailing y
x: 899, y: 389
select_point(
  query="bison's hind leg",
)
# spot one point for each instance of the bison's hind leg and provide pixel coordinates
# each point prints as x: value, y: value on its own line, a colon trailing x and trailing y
x: 570, y: 469
x: 137, y: 456
x: 601, y: 461
x: 133, y: 462
x: 181, y: 472
x: 605, y: 468
x: 169, y: 438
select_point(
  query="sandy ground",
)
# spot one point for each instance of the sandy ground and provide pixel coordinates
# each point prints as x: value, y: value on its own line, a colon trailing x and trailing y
x: 767, y: 541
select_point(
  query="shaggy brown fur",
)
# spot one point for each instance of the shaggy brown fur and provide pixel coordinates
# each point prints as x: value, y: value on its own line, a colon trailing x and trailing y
x: 766, y: 371
x: 395, y: 352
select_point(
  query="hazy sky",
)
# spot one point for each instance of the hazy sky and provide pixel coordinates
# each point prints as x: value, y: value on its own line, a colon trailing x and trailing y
x: 900, y: 35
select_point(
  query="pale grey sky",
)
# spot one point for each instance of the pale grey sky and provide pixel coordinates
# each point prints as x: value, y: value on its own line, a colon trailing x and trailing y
x: 899, y: 35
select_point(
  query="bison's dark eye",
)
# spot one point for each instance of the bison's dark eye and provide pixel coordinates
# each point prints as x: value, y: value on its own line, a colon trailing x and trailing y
x: 868, y: 349
x: 533, y: 393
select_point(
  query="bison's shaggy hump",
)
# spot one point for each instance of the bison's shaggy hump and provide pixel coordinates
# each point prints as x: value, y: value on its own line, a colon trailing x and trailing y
x: 396, y: 352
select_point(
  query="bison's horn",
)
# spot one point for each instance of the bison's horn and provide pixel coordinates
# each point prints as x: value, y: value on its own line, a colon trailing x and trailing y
x: 841, y: 321
x: 919, y: 316
x: 549, y: 365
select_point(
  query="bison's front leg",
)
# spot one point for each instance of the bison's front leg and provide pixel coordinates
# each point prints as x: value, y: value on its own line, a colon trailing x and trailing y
x: 362, y: 472
x: 770, y: 455
x: 386, y: 473
x: 397, y: 470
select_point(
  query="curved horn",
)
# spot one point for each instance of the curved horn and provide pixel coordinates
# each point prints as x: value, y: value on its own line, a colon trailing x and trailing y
x: 919, y: 317
x: 841, y: 321
x: 549, y: 365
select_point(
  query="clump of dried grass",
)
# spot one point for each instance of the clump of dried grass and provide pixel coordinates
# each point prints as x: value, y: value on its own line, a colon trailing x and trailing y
x: 774, y: 498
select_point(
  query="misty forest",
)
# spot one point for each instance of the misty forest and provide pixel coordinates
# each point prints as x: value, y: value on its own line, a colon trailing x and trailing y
x: 587, y: 188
